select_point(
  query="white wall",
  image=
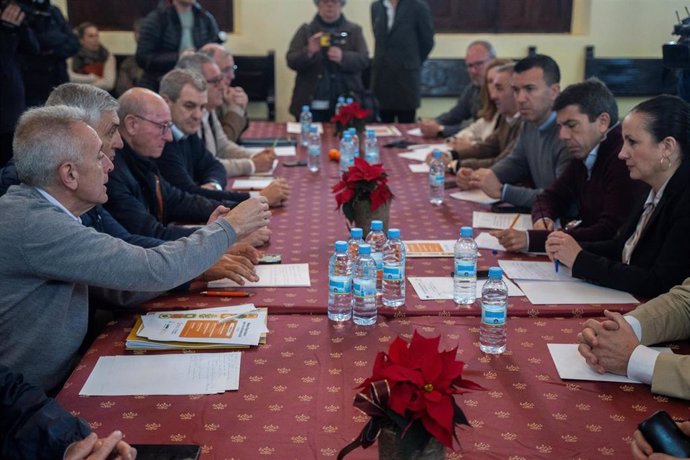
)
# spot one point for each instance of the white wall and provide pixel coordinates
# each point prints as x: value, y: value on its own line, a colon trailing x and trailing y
x: 626, y: 28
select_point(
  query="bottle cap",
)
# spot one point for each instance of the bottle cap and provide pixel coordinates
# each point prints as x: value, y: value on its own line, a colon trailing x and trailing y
x: 352, y: 130
x: 371, y: 133
x: 466, y: 232
x: 347, y: 136
x: 377, y: 225
x: 495, y: 273
x: 437, y: 153
x: 341, y: 99
x: 305, y: 108
x: 340, y: 246
x: 364, y: 249
x: 349, y: 100
x: 393, y: 233
x: 313, y: 129
x: 356, y: 233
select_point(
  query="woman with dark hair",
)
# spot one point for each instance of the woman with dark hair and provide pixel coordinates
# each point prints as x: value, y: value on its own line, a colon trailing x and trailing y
x: 651, y: 252
x: 93, y: 63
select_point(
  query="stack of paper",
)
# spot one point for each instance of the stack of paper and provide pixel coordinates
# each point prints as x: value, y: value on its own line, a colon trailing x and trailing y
x: 253, y: 183
x: 499, y: 221
x: 208, y: 328
x: 441, y: 287
x: 429, y: 248
x: 178, y: 374
x: 384, y: 130
x: 279, y: 275
x: 294, y: 127
x: 475, y: 195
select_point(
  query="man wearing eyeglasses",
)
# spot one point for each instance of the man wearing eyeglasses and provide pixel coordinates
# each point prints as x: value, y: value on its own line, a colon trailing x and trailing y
x: 233, y: 112
x: 479, y: 55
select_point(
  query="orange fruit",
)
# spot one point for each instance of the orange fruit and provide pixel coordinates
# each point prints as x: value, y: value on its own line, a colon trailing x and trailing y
x: 334, y: 155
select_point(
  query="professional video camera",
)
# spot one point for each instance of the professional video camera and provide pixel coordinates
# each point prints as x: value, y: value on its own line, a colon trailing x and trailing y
x: 677, y: 54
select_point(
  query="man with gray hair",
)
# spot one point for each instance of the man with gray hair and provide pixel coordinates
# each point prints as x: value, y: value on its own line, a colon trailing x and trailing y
x: 49, y: 260
x: 479, y: 55
x: 185, y: 162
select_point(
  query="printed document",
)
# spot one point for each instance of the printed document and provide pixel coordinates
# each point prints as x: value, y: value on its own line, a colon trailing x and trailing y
x: 418, y: 167
x: 293, y: 127
x: 534, y: 271
x: 429, y: 248
x: 176, y: 374
x: 441, y: 287
x: 278, y: 275
x: 416, y: 155
x: 280, y: 150
x: 383, y: 130
x: 497, y: 221
x: 251, y: 184
x: 475, y: 196
x: 572, y: 366
x: 572, y: 292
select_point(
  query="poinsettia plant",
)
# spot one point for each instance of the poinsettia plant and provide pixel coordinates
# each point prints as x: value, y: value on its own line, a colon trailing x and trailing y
x: 362, y: 182
x: 411, y: 391
x: 350, y: 115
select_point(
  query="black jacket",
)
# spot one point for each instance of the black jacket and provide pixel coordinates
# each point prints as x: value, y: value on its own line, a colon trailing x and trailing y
x: 159, y: 41
x: 400, y: 52
x: 133, y: 202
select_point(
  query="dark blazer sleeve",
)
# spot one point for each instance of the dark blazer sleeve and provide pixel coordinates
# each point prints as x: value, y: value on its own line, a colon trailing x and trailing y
x: 113, y: 228
x: 33, y: 425
x: 425, y: 30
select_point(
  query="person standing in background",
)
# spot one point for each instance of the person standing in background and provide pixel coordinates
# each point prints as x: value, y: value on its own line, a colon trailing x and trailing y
x: 404, y: 34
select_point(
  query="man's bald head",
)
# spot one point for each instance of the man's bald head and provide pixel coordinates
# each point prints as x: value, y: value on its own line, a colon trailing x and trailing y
x: 145, y: 121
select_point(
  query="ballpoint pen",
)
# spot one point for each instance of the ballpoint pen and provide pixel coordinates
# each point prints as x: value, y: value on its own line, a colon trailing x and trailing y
x: 227, y: 293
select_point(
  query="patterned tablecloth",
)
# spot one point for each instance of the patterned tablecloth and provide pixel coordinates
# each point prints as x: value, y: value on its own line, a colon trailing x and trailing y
x: 306, y: 227
x: 295, y: 396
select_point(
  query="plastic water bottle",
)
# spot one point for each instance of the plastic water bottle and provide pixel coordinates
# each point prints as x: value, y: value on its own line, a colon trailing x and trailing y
x: 465, y: 279
x: 339, y: 104
x: 492, y: 331
x: 437, y: 177
x: 354, y: 242
x: 355, y: 143
x: 371, y: 148
x: 340, y: 284
x: 349, y: 101
x: 305, y: 120
x: 376, y: 239
x: 393, y: 284
x: 364, y: 288
x: 314, y: 150
x: 347, y: 158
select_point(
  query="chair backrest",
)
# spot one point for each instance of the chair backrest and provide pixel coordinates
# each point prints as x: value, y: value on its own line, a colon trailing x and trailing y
x: 256, y: 75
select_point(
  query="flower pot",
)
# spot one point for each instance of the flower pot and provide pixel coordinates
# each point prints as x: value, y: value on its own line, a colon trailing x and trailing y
x: 363, y: 215
x: 389, y: 448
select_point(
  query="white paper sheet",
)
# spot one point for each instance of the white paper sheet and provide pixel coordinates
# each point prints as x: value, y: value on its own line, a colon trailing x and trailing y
x: 414, y: 132
x: 384, y: 130
x: 572, y: 366
x: 285, y: 150
x: 294, y: 127
x: 498, y: 221
x: 475, y: 196
x: 278, y: 275
x: 572, y: 292
x: 534, y: 271
x: 431, y: 147
x: 416, y: 155
x: 171, y: 374
x: 441, y: 287
x: 429, y: 248
x: 485, y: 241
x: 270, y: 171
x: 251, y: 184
x: 418, y: 167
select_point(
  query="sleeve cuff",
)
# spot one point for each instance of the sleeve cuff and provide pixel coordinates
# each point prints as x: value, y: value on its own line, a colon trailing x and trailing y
x: 641, y: 364
x: 635, y: 324
x: 504, y: 190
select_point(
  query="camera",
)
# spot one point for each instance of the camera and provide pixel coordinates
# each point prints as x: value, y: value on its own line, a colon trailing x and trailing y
x: 677, y: 54
x: 333, y: 39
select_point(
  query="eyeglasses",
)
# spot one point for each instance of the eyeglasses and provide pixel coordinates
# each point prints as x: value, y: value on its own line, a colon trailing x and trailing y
x: 215, y: 81
x: 163, y: 126
x: 229, y: 70
x: 476, y: 65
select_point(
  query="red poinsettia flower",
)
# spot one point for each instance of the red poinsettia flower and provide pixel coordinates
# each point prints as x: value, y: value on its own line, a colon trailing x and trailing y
x: 422, y: 383
x: 349, y: 114
x: 362, y: 182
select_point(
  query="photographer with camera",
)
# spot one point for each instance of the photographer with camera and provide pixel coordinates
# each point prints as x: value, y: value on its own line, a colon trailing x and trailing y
x: 329, y: 55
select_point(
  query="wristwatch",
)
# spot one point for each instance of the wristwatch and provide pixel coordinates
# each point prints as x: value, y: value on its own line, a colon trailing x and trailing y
x: 216, y: 186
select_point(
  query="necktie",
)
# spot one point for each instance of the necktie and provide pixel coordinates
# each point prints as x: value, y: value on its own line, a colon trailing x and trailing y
x: 635, y: 237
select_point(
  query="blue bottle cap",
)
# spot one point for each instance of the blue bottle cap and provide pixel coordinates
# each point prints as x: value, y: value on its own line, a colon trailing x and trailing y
x: 495, y: 273
x: 356, y: 233
x: 364, y: 249
x: 340, y: 246
x: 393, y: 233
x: 466, y: 232
x: 305, y: 108
x: 347, y: 136
x: 313, y: 129
x: 349, y: 100
x: 377, y: 225
x: 341, y: 99
x: 437, y: 153
x: 371, y: 133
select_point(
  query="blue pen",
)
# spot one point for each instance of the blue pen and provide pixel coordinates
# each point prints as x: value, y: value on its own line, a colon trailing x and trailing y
x: 555, y: 264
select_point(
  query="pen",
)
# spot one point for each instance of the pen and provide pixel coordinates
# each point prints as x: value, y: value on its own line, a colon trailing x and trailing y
x: 512, y: 224
x: 275, y: 142
x: 555, y: 264
x: 227, y: 319
x: 227, y: 293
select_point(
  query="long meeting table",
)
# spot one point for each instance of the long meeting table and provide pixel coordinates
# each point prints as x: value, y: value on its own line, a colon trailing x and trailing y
x: 296, y: 391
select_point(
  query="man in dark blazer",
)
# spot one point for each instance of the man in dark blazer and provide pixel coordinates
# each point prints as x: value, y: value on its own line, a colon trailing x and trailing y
x: 404, y: 34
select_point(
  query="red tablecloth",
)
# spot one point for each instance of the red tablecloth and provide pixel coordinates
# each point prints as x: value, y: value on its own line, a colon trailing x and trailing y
x: 295, y: 396
x: 305, y: 229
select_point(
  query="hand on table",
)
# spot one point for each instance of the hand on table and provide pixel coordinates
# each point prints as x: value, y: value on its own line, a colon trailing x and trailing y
x: 429, y: 128
x: 246, y: 250
x: 249, y: 216
x: 641, y: 449
x: 561, y: 246
x: 93, y: 448
x: 258, y: 237
x: 263, y: 160
x: 511, y: 239
x: 235, y: 267
x: 607, y: 345
x: 463, y: 178
x: 486, y: 180
x: 459, y: 143
x: 277, y: 192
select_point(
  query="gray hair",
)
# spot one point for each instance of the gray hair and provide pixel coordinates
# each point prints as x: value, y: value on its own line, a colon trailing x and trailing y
x: 173, y: 82
x: 44, y: 140
x: 342, y: 2
x: 94, y: 101
x: 506, y: 68
x: 210, y: 49
x: 486, y: 45
x: 195, y: 62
